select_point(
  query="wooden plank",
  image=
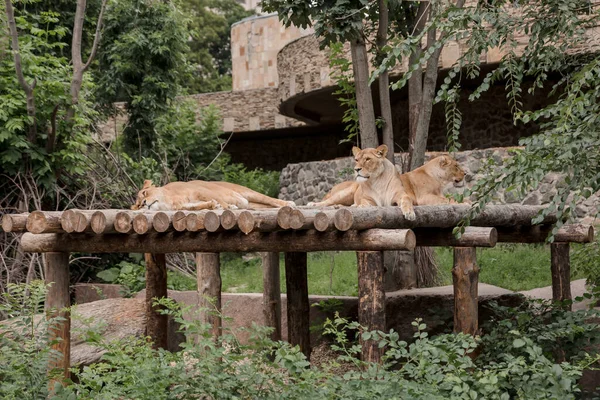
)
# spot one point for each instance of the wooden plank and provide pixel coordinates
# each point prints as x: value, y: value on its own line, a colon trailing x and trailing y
x: 272, y: 293
x: 57, y: 300
x: 561, y: 272
x: 465, y: 277
x: 208, y: 269
x: 298, y: 308
x: 156, y: 287
x: 371, y: 301
x: 176, y: 242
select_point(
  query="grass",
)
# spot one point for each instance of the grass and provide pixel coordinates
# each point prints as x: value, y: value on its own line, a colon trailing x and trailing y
x: 511, y: 266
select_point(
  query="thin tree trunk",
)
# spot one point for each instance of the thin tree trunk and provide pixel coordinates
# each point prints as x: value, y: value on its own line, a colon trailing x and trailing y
x: 298, y: 308
x: 272, y: 293
x: 384, y: 83
x: 371, y: 302
x: 156, y: 287
x: 364, y: 100
x: 208, y: 275
x: 561, y: 273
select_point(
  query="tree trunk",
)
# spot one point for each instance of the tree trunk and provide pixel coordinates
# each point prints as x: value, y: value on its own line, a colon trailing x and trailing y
x: 465, y: 276
x: 156, y: 287
x: 298, y: 308
x: 561, y: 273
x: 272, y: 293
x: 384, y: 83
x: 57, y: 300
x: 371, y: 302
x: 209, y: 290
x: 364, y: 100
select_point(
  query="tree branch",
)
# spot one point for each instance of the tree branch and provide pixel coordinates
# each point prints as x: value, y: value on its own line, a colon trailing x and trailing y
x: 97, y: 36
x: 384, y: 82
x: 28, y: 89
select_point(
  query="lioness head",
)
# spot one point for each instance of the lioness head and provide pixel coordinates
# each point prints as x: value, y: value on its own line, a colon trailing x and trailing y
x: 146, y: 197
x: 448, y: 170
x: 370, y: 163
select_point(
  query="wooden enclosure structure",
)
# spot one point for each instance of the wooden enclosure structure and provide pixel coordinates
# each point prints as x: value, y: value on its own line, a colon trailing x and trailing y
x: 293, y: 231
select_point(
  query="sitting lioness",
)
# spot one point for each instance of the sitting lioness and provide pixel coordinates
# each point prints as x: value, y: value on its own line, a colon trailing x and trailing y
x: 424, y: 185
x: 201, y: 195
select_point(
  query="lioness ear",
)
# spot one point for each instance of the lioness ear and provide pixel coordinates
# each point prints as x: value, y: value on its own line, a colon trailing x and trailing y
x: 444, y: 161
x: 147, y: 184
x: 355, y: 151
x: 382, y: 150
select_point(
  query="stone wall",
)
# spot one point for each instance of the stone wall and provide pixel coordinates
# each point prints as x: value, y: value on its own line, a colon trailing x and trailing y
x: 306, y: 182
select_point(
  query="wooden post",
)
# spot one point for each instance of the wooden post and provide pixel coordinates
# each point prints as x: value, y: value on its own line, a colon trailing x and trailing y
x: 298, y: 309
x: 561, y: 272
x: 371, y: 301
x: 208, y: 269
x: 272, y: 293
x: 156, y: 286
x: 57, y: 299
x: 465, y: 276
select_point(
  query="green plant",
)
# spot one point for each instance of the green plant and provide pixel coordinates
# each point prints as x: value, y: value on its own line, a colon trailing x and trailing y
x: 131, y: 275
x: 586, y: 261
x: 329, y: 307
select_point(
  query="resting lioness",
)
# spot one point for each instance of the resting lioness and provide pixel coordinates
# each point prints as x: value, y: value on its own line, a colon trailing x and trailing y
x: 424, y: 185
x: 201, y: 195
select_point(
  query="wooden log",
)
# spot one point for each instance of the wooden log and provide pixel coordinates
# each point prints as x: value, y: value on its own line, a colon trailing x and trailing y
x: 465, y: 277
x: 44, y: 222
x: 439, y: 216
x: 179, y: 220
x: 67, y: 220
x: 212, y: 220
x: 561, y: 273
x: 258, y: 221
x: 57, y: 301
x: 176, y: 242
x: 298, y: 308
x: 325, y: 220
x: 103, y: 221
x: 142, y: 223
x: 14, y: 222
x: 272, y: 293
x: 371, y: 301
x: 208, y: 269
x: 283, y: 217
x: 474, y: 236
x: 82, y: 221
x: 573, y: 233
x: 194, y: 222
x: 156, y: 287
x: 124, y: 222
x: 163, y: 221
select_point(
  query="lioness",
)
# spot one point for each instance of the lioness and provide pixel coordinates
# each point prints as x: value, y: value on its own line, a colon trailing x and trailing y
x: 201, y: 195
x: 424, y: 185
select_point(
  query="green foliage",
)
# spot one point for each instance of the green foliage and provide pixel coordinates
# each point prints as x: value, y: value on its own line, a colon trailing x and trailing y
x: 25, y: 344
x: 142, y: 61
x: 265, y: 182
x: 586, y: 262
x: 341, y: 73
x: 131, y: 275
x: 210, y: 44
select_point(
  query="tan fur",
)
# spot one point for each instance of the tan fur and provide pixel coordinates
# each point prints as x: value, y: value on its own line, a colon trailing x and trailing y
x: 201, y: 195
x: 379, y: 182
x: 423, y: 186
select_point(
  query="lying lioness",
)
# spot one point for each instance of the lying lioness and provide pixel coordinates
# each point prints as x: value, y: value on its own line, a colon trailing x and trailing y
x: 424, y: 185
x: 201, y: 195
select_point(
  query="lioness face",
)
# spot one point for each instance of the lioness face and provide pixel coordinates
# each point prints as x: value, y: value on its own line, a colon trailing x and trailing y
x: 452, y: 171
x: 147, y: 197
x: 369, y: 162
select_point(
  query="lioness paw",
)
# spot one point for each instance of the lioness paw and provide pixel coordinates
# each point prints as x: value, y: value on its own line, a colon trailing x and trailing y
x: 232, y: 207
x: 291, y: 204
x: 409, y: 215
x: 311, y: 204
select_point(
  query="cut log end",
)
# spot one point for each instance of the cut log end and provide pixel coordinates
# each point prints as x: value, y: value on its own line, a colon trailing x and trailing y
x: 343, y: 219
x: 14, y: 222
x: 141, y: 224
x: 283, y: 217
x: 228, y: 219
x: 81, y: 222
x: 123, y: 222
x: 180, y: 221
x: 322, y: 222
x: 246, y: 222
x: 212, y: 221
x: 37, y: 222
x: 98, y: 222
x: 161, y: 222
x: 67, y: 221
x: 296, y: 219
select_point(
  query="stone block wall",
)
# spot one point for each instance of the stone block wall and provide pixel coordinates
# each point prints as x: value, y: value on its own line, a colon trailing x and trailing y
x: 310, y: 181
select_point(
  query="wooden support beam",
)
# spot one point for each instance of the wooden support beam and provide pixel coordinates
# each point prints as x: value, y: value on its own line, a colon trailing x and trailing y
x: 439, y: 216
x: 156, y: 287
x: 208, y: 270
x: 272, y: 293
x: 371, y: 301
x: 104, y: 221
x: 561, y: 272
x: 176, y: 242
x: 574, y: 233
x: 465, y: 277
x: 298, y: 308
x: 14, y: 222
x: 57, y: 302
x: 474, y: 236
x: 44, y: 222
